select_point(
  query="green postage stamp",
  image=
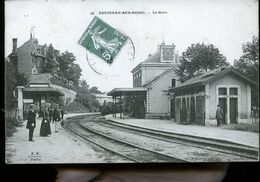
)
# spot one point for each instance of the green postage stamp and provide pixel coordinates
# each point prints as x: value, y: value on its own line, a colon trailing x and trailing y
x: 103, y: 40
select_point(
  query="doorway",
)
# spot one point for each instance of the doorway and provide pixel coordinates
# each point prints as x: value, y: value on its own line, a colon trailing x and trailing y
x: 233, y: 110
x: 172, y: 108
x: 183, y: 112
x: 192, y: 109
x: 223, y: 105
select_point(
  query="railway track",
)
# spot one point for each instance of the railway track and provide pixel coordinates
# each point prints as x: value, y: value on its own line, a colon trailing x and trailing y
x: 204, y: 143
x: 119, y: 147
x: 132, y: 151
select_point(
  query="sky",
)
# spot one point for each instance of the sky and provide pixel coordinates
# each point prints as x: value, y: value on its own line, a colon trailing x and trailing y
x: 225, y: 23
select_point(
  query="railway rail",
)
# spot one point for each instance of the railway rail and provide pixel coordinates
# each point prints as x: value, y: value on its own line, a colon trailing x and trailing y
x: 136, y: 153
x: 205, y: 143
x: 119, y: 147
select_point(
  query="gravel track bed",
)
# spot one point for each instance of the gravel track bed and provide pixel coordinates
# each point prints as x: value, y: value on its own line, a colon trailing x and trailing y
x: 139, y: 155
x: 188, y: 153
x: 109, y: 157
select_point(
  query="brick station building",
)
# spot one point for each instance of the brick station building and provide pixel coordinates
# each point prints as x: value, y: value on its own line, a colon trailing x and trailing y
x: 28, y: 59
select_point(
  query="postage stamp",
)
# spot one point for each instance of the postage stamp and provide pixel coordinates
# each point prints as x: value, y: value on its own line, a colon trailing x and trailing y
x: 103, y: 40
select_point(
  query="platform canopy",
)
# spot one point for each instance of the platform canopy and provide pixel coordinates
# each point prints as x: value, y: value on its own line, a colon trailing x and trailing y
x: 42, y: 91
x: 126, y: 91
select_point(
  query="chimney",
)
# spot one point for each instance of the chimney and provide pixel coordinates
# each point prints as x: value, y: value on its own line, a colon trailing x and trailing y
x: 14, y: 45
x: 167, y: 52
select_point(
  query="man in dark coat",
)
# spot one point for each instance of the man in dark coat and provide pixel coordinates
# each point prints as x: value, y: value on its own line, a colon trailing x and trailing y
x: 31, y: 123
x: 219, y: 115
x: 56, y: 117
x: 62, y: 113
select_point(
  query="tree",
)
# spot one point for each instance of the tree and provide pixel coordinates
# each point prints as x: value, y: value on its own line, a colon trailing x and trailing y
x: 51, y: 65
x: 12, y: 80
x: 10, y: 86
x: 67, y: 68
x: 248, y: 64
x: 94, y: 90
x: 198, y: 59
x: 74, y: 73
x: 85, y: 98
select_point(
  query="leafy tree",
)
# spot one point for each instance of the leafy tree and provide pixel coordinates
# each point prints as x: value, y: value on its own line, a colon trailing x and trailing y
x: 84, y: 84
x: 51, y: 65
x: 12, y: 80
x: 74, y: 73
x: 198, y: 59
x: 67, y: 68
x: 10, y: 85
x: 85, y: 98
x: 95, y: 90
x: 248, y: 64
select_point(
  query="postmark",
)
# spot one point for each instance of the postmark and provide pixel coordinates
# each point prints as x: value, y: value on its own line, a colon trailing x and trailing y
x: 103, y: 40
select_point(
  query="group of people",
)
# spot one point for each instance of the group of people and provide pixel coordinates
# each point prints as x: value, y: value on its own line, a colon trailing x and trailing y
x: 48, y: 115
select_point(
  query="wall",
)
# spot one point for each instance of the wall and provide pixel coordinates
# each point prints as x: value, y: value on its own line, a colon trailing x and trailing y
x: 25, y: 58
x: 149, y: 73
x: 68, y: 94
x: 243, y: 99
x: 103, y: 97
x: 159, y: 102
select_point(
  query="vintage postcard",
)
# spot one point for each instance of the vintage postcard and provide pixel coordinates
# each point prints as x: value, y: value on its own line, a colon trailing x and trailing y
x: 170, y: 81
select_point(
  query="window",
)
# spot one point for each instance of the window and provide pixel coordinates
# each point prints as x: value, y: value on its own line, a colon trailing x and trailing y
x: 173, y: 82
x: 222, y: 91
x: 233, y: 91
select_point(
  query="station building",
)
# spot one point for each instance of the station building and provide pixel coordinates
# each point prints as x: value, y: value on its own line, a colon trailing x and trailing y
x: 196, y: 99
x: 151, y: 80
x: 157, y: 92
x: 42, y: 87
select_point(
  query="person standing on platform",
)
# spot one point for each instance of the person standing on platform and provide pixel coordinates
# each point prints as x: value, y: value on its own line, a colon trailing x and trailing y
x: 46, y: 122
x: 219, y: 115
x: 44, y: 126
x: 62, y: 113
x: 31, y: 123
x: 56, y: 117
x: 51, y: 113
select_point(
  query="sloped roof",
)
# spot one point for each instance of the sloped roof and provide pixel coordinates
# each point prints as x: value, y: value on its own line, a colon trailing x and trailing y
x: 43, y: 89
x: 40, y: 78
x: 155, y: 58
x: 118, y: 91
x: 159, y: 76
x: 212, y: 75
x: 32, y: 45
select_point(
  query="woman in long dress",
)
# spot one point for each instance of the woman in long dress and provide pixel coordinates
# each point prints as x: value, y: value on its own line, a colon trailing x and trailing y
x: 45, y: 125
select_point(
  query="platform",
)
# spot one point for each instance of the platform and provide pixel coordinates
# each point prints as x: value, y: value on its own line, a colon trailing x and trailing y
x: 211, y: 132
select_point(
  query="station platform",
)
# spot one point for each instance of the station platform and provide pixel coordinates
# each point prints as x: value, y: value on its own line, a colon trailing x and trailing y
x: 210, y: 132
x: 56, y: 148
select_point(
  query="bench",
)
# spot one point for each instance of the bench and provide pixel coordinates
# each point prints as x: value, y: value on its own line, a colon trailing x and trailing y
x: 159, y: 115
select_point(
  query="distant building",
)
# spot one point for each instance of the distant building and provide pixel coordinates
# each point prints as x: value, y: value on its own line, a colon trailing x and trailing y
x: 196, y: 99
x: 103, y: 98
x: 29, y: 59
